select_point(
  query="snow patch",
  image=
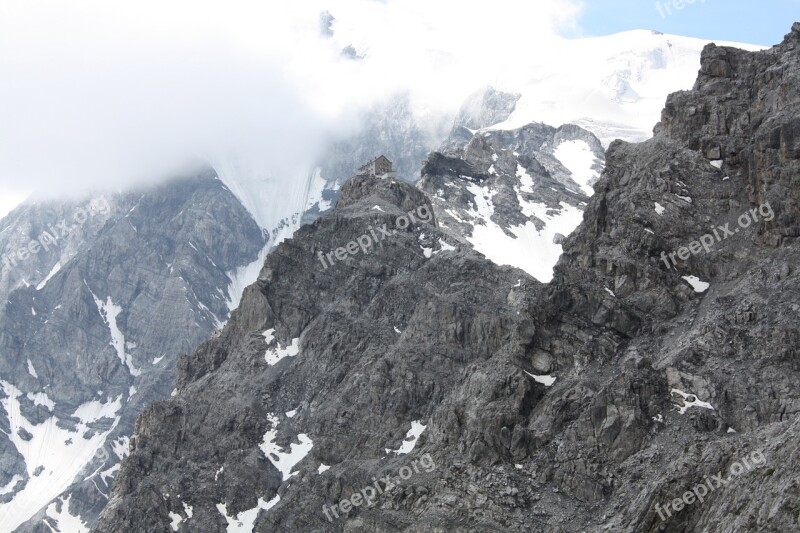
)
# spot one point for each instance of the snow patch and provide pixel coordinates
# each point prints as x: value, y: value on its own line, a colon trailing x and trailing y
x: 174, y: 520
x: 482, y: 196
x: 121, y: 447
x: 454, y: 215
x: 274, y: 355
x: 689, y: 400
x: 660, y: 209
x: 697, y: 285
x: 531, y: 250
x: 53, y: 456
x: 525, y: 179
x: 31, y: 370
x: 107, y: 475
x: 245, y: 521
x: 8, y: 487
x: 64, y: 521
x: 545, y: 380
x: 52, y: 273
x: 316, y: 187
x: 41, y: 398
x: 577, y: 157
x: 242, y: 277
x: 444, y: 247
x: 410, y: 439
x: 109, y: 312
x: 94, y: 410
x: 284, y: 461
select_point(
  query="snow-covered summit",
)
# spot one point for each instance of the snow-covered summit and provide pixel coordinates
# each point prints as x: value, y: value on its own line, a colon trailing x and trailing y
x: 614, y: 86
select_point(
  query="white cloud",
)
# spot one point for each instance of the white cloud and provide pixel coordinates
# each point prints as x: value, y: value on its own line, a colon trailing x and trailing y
x: 9, y: 199
x: 99, y: 94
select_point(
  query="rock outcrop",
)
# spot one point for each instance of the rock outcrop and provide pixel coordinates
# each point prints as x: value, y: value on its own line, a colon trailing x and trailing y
x: 592, y: 403
x: 89, y: 331
x: 514, y: 194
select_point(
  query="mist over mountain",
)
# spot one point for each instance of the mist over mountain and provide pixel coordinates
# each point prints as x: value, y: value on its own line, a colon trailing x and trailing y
x: 104, y: 98
x: 212, y: 320
x: 415, y: 385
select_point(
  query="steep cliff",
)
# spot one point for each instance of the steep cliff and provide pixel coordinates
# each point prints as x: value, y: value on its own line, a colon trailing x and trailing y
x: 592, y: 403
x: 117, y: 288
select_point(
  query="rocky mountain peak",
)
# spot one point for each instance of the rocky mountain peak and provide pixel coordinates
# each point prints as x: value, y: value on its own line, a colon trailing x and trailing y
x: 361, y: 193
x: 655, y: 359
x: 389, y: 338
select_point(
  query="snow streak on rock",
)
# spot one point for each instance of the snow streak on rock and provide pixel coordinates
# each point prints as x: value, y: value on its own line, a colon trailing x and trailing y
x: 53, y: 455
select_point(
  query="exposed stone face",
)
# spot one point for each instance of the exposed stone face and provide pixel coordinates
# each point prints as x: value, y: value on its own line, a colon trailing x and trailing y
x: 495, y: 158
x: 61, y: 340
x: 504, y: 186
x: 660, y: 382
x: 481, y: 109
x: 757, y: 136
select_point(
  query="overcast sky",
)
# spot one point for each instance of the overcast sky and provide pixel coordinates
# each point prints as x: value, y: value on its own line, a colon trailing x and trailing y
x: 98, y: 93
x: 110, y: 94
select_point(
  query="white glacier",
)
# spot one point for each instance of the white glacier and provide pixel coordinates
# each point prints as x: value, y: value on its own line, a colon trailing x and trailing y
x: 276, y: 199
x: 615, y: 85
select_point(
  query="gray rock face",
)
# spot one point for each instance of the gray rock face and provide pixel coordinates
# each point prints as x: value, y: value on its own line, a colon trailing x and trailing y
x: 482, y: 109
x: 343, y: 303
x: 589, y: 404
x: 507, y: 193
x: 87, y: 341
x: 486, y: 107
